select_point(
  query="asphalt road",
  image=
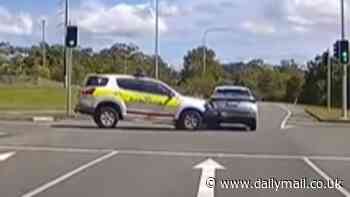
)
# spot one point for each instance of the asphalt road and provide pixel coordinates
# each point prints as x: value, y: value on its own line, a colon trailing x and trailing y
x: 74, y: 158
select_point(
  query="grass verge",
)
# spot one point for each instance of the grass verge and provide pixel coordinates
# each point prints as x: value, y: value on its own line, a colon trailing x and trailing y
x: 31, y: 98
x: 324, y: 115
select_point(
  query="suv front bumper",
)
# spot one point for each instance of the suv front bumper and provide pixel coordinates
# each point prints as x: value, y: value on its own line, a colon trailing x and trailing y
x: 216, y: 116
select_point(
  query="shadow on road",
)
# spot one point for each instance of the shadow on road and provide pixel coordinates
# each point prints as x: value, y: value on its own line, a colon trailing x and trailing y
x: 5, y: 135
x: 90, y: 127
x: 147, y: 128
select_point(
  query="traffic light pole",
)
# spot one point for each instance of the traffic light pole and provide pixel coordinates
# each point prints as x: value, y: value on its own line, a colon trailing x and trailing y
x: 71, y: 42
x: 329, y: 82
x: 345, y: 92
x: 66, y: 18
x: 345, y: 69
x: 69, y: 81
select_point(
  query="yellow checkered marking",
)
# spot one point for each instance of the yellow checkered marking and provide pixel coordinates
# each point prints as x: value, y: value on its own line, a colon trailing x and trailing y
x: 137, y: 97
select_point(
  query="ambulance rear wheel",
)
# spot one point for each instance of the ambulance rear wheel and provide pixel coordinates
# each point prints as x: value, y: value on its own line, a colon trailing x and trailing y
x: 106, y: 117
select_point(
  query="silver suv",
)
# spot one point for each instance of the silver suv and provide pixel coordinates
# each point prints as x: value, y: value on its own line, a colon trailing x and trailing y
x: 232, y: 104
x: 111, y: 98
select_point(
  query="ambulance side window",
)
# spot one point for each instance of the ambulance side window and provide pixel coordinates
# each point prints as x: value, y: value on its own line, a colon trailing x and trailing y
x: 155, y: 88
x: 130, y: 84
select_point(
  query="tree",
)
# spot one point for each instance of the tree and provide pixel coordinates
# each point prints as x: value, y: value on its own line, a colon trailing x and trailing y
x: 193, y: 62
x: 294, y: 88
x: 27, y: 61
x: 314, y: 90
x: 271, y: 85
x: 192, y: 78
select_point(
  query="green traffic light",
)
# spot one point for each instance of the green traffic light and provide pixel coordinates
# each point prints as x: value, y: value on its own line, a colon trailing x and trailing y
x: 345, y: 55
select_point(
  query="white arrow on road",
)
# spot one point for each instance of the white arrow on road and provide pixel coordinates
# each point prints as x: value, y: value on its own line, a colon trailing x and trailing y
x: 208, y: 168
x: 6, y: 156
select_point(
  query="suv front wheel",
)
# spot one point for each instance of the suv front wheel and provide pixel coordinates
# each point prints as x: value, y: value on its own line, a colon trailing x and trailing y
x: 106, y: 117
x: 190, y: 120
x: 252, y: 124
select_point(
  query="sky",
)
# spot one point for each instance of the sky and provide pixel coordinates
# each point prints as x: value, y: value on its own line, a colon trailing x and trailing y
x: 238, y: 29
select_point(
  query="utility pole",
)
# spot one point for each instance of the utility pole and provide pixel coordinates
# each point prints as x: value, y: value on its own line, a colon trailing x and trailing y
x: 43, y: 42
x: 156, y: 47
x: 345, y: 69
x: 329, y: 81
x: 204, y: 42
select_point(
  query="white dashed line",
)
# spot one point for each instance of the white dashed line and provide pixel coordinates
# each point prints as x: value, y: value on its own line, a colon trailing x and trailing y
x: 52, y: 149
x: 324, y: 175
x: 3, y: 134
x: 68, y: 175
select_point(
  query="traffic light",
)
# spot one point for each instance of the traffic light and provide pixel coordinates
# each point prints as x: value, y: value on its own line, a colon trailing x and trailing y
x: 336, y: 51
x: 325, y: 57
x: 341, y: 51
x: 344, y: 51
x: 72, y: 36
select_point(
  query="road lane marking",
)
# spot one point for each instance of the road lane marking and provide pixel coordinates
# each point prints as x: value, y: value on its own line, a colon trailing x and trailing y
x: 52, y: 149
x: 201, y: 154
x: 287, y: 117
x: 232, y: 155
x: 207, y: 182
x: 321, y: 124
x: 329, y: 158
x: 69, y: 175
x: 176, y: 154
x: 324, y: 175
x: 6, y: 156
